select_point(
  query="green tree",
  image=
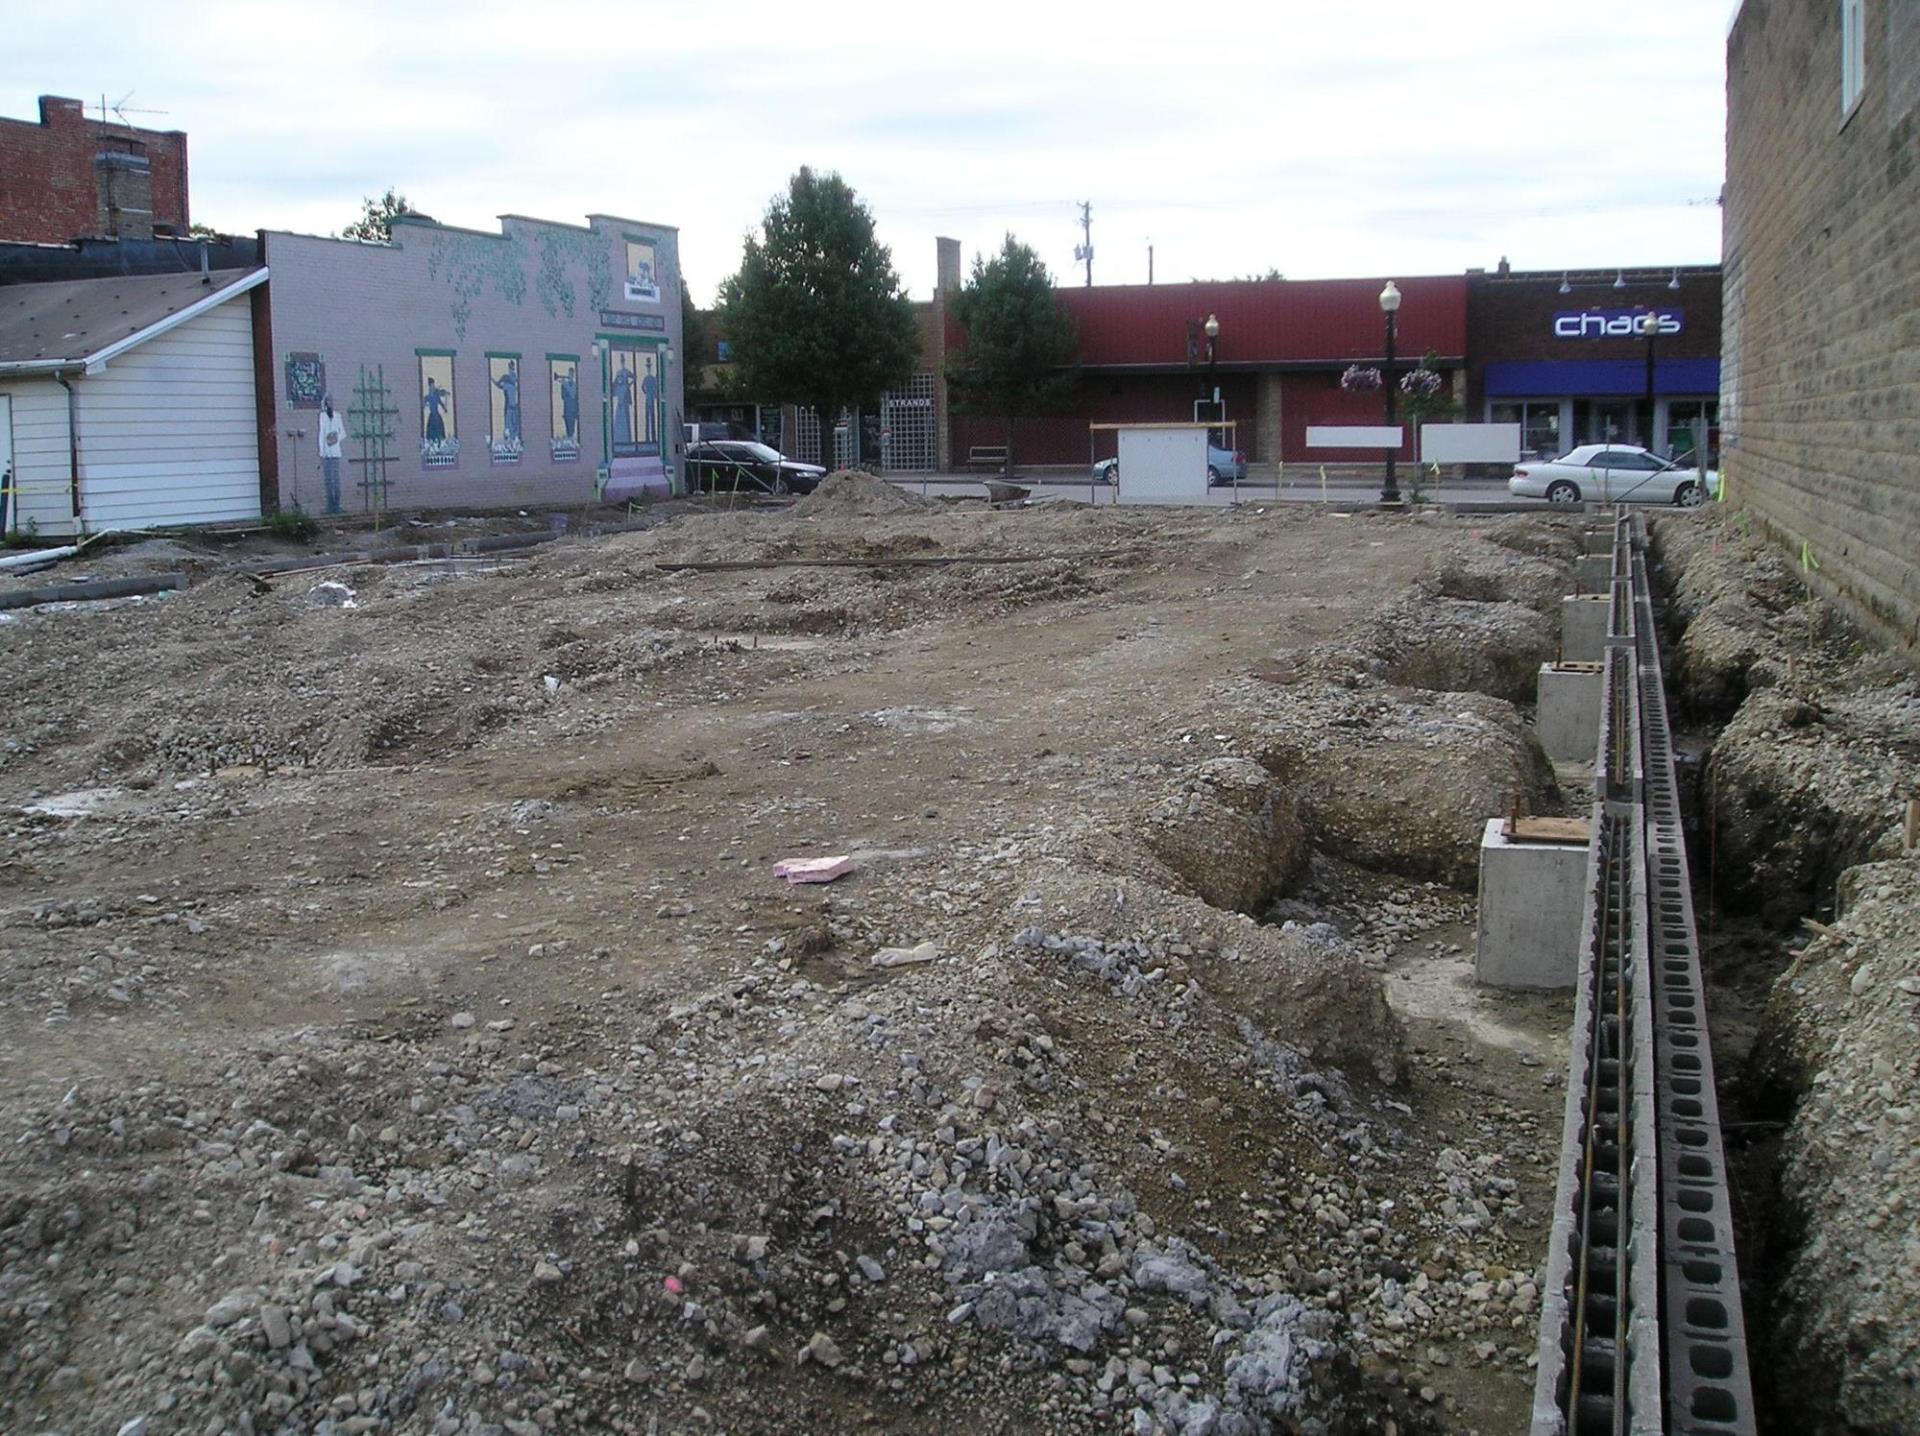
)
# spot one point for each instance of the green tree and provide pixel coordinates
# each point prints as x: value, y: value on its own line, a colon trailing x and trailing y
x: 816, y: 315
x: 375, y: 225
x: 695, y: 340
x: 1021, y: 346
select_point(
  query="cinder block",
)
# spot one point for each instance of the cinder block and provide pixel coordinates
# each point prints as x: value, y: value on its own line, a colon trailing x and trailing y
x: 1583, y: 627
x: 1530, y: 898
x: 1567, y: 717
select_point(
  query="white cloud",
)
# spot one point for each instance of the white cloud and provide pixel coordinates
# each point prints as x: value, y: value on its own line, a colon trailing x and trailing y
x: 1360, y: 138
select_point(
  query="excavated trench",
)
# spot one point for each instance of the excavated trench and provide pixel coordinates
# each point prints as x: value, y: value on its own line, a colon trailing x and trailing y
x: 1792, y: 777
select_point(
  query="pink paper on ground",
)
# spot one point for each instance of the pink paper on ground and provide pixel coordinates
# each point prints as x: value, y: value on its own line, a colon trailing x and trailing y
x: 813, y: 870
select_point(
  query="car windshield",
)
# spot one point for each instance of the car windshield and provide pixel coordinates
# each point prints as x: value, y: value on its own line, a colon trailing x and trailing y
x: 763, y: 453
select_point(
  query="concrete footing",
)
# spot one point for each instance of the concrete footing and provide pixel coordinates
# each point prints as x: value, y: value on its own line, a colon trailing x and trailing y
x: 1583, y: 627
x: 1530, y: 898
x: 1567, y: 719
x: 1597, y: 540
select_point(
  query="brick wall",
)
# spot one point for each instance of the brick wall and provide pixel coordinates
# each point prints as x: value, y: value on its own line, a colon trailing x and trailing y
x: 65, y: 175
x: 533, y: 290
x: 1820, y: 386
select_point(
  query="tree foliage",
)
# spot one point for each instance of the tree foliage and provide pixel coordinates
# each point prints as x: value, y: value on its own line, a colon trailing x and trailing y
x: 816, y: 315
x: 375, y: 225
x: 1021, y: 346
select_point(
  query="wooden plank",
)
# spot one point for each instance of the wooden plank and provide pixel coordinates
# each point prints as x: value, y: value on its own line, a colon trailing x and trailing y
x: 1549, y: 830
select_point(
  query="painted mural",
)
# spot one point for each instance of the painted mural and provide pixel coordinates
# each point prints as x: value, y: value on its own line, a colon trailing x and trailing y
x: 643, y: 278
x: 503, y: 403
x: 563, y: 397
x: 439, y: 428
x: 633, y: 394
x: 306, y: 379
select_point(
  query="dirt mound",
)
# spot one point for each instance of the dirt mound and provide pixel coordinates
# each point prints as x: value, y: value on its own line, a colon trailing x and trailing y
x: 1399, y: 779
x: 1839, y: 1037
x: 853, y: 493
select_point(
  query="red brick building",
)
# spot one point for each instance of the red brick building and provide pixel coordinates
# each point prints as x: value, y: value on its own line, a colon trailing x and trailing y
x: 66, y: 176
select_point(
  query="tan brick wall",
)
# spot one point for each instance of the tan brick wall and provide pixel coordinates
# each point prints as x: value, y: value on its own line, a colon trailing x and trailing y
x: 1821, y: 368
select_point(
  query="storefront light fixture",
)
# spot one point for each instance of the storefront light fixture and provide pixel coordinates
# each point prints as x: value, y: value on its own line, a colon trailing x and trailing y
x: 1674, y: 283
x: 1566, y: 285
x: 1619, y: 279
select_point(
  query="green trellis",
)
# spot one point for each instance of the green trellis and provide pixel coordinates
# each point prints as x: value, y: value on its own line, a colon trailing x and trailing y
x: 370, y: 425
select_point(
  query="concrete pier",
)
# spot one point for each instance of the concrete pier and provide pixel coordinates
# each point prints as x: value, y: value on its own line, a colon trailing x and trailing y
x: 1567, y: 719
x: 1530, y: 899
x: 1583, y: 627
x: 1593, y: 572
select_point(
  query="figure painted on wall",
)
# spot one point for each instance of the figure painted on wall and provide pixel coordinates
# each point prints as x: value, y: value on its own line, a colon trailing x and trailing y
x: 503, y: 376
x: 643, y: 283
x: 332, y: 432
x: 650, y: 392
x: 509, y: 386
x: 439, y: 437
x: 622, y: 398
x: 563, y: 407
x: 437, y: 403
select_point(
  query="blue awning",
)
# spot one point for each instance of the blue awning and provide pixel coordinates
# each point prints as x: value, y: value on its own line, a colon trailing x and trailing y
x: 1593, y: 378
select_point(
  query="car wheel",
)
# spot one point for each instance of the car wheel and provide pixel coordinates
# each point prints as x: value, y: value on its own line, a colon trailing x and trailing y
x: 1213, y: 474
x: 1563, y: 491
x: 1689, y: 496
x: 780, y: 486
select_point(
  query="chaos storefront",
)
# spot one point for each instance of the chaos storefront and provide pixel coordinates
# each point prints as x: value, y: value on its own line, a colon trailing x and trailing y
x: 1572, y: 358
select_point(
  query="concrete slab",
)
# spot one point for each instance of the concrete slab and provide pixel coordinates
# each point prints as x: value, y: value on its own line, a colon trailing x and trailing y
x: 1530, y: 898
x: 1567, y: 716
x: 1583, y: 627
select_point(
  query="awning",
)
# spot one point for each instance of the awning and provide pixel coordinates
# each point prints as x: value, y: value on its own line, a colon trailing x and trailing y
x: 1592, y: 378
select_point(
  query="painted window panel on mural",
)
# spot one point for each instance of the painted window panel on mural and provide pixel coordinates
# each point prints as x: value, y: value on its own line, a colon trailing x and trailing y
x: 634, y: 392
x: 563, y: 399
x: 643, y: 278
x: 439, y: 425
x: 503, y: 403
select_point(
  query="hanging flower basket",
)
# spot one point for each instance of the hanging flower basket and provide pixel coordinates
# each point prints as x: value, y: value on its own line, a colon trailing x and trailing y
x: 1421, y: 383
x: 1360, y: 379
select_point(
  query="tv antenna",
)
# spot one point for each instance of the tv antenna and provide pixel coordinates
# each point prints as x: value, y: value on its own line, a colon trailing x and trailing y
x: 1083, y: 252
x: 121, y: 109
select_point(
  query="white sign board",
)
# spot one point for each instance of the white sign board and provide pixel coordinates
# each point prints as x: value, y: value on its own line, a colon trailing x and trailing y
x: 1354, y: 436
x: 1469, y: 443
x: 1162, y: 466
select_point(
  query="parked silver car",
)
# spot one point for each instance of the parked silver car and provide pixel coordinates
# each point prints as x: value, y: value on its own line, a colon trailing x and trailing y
x: 1612, y: 474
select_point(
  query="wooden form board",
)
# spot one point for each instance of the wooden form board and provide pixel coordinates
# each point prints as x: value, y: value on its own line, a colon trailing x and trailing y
x: 1548, y: 830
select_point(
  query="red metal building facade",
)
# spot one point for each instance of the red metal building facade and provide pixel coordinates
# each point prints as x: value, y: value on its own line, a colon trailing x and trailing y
x: 1277, y: 361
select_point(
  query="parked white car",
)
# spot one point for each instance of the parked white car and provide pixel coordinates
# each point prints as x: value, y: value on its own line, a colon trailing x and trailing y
x: 1612, y: 474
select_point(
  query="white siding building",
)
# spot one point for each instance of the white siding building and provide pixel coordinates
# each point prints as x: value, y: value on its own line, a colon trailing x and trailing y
x: 128, y: 403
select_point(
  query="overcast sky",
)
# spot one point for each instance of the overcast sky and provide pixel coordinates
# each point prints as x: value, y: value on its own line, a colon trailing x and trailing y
x: 1318, y: 137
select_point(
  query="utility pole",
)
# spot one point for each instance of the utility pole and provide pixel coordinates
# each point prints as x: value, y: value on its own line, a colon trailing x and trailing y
x: 1084, y: 250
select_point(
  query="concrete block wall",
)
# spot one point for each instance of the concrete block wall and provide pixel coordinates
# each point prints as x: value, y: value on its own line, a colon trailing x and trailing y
x: 534, y: 289
x: 51, y: 176
x: 1820, y: 412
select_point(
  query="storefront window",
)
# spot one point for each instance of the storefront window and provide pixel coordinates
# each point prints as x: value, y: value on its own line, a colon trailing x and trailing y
x: 1690, y: 420
x: 1539, y: 422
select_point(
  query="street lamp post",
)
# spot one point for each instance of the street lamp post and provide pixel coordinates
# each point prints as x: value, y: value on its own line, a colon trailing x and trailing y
x: 1390, y: 306
x: 1213, y: 388
x: 1650, y: 326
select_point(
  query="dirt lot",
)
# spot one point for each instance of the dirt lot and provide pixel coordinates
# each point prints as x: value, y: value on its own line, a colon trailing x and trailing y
x: 402, y: 1028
